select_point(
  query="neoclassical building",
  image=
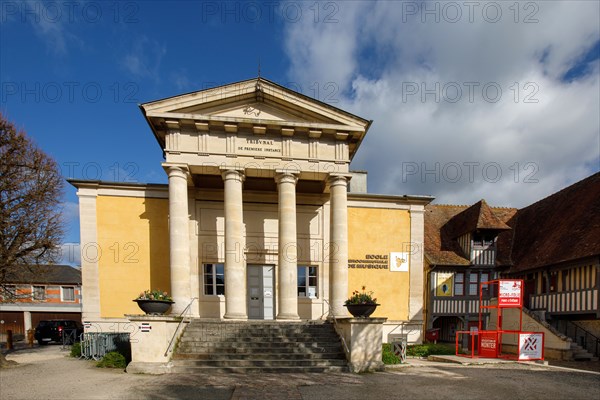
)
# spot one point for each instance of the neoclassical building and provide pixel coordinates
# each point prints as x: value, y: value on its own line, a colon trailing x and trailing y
x: 262, y: 217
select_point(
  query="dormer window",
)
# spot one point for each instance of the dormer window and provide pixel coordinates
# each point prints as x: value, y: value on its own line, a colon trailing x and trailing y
x: 483, y: 250
x: 485, y: 240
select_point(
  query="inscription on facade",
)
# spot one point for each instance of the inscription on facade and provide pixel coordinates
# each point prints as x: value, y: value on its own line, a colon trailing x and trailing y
x: 371, y: 261
x: 263, y: 146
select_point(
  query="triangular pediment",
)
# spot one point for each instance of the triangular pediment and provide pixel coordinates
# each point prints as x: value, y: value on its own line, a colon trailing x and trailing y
x: 258, y: 110
x: 256, y: 106
x: 258, y: 99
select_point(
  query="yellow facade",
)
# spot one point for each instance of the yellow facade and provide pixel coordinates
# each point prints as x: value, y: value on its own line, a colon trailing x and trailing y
x: 132, y: 251
x: 374, y: 233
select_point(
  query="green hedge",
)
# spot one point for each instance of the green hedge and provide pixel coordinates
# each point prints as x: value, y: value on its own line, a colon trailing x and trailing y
x: 428, y: 349
x: 417, y: 350
x: 112, y: 360
x: 388, y: 356
x: 76, y: 350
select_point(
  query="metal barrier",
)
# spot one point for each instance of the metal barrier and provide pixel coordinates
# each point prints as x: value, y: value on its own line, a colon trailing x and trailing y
x: 69, y: 336
x: 96, y: 345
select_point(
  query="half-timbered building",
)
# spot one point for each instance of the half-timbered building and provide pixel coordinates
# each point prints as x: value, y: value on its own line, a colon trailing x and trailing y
x: 464, y: 246
x: 556, y: 251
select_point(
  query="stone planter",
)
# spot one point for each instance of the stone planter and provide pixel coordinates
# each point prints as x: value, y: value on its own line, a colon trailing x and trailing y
x: 154, y: 307
x: 361, y: 310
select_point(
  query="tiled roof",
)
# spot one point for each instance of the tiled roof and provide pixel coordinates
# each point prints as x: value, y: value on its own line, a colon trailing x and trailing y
x: 562, y: 227
x: 443, y: 223
x: 59, y: 274
x: 478, y: 216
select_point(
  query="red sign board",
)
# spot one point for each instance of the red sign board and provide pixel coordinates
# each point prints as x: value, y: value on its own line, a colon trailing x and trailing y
x: 510, y: 293
x: 488, y: 344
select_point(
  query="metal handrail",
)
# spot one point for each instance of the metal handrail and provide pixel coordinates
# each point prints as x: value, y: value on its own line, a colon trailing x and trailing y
x: 179, y: 325
x: 335, y: 326
x: 586, y: 345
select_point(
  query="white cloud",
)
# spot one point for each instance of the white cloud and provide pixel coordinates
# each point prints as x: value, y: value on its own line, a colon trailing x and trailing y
x: 49, y: 24
x: 145, y: 57
x: 538, y: 136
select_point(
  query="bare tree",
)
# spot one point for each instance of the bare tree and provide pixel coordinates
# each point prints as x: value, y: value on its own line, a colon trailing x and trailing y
x: 31, y: 189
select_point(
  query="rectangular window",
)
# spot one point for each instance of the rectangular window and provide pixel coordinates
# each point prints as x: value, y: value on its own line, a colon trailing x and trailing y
x: 214, y: 279
x: 9, y: 292
x: 485, y: 277
x: 473, y: 284
x: 39, y: 292
x: 307, y: 282
x: 67, y: 293
x: 459, y: 284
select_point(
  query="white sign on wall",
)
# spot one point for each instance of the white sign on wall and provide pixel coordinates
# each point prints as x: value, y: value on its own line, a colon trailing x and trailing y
x: 399, y: 261
x: 531, y: 346
x: 510, y: 293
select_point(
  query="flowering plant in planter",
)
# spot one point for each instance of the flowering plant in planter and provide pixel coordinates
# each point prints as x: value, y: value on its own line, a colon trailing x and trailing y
x: 156, y: 295
x: 363, y: 297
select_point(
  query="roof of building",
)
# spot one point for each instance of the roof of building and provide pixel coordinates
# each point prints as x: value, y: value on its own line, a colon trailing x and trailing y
x: 477, y: 217
x: 45, y: 274
x: 562, y: 227
x: 444, y: 223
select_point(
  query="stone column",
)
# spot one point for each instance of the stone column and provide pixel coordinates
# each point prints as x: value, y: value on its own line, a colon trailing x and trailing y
x: 179, y: 239
x: 235, y: 265
x: 415, y: 265
x: 287, y: 274
x: 338, y: 254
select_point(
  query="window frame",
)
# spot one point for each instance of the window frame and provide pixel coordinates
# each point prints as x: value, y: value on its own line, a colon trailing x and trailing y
x: 9, y: 292
x: 62, y: 294
x: 214, y: 285
x: 33, y: 292
x: 459, y: 282
x: 307, y: 284
x: 477, y: 275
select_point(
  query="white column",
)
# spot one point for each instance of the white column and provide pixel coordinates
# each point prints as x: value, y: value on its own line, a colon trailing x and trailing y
x: 179, y: 241
x: 338, y: 254
x: 287, y: 274
x: 27, y: 320
x: 417, y: 242
x: 235, y: 265
x: 90, y: 253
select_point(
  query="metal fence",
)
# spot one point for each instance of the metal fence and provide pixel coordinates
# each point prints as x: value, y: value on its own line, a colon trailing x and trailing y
x: 96, y: 345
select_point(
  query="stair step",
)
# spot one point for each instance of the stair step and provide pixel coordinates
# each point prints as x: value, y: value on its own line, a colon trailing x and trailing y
x: 259, y: 363
x: 258, y: 339
x: 581, y: 357
x: 250, y: 370
x: 220, y: 349
x: 259, y: 347
x: 260, y: 356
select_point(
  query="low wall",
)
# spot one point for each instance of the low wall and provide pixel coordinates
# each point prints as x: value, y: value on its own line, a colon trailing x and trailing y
x: 411, y: 330
x: 364, y: 338
x: 149, y: 347
x: 556, y: 347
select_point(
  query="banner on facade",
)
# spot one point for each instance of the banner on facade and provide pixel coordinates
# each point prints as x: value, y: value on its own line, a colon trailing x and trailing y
x: 531, y: 346
x: 444, y: 284
x: 510, y: 293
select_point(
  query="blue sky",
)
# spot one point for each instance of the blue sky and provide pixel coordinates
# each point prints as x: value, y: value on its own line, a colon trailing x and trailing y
x: 494, y: 100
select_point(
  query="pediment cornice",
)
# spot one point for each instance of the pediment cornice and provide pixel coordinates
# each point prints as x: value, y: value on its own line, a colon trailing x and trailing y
x: 256, y: 106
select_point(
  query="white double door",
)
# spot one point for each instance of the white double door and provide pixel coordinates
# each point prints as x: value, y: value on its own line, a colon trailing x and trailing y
x: 261, y: 291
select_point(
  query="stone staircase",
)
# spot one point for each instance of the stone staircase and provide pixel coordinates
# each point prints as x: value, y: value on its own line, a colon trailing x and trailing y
x: 581, y: 354
x: 261, y: 346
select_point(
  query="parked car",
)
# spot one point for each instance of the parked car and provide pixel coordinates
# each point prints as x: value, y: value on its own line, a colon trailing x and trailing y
x: 53, y: 331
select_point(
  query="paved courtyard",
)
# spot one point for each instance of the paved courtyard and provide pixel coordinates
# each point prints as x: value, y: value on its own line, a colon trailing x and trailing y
x: 47, y: 372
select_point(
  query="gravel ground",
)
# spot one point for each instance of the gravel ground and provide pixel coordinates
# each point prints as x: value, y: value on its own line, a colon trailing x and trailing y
x: 48, y: 373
